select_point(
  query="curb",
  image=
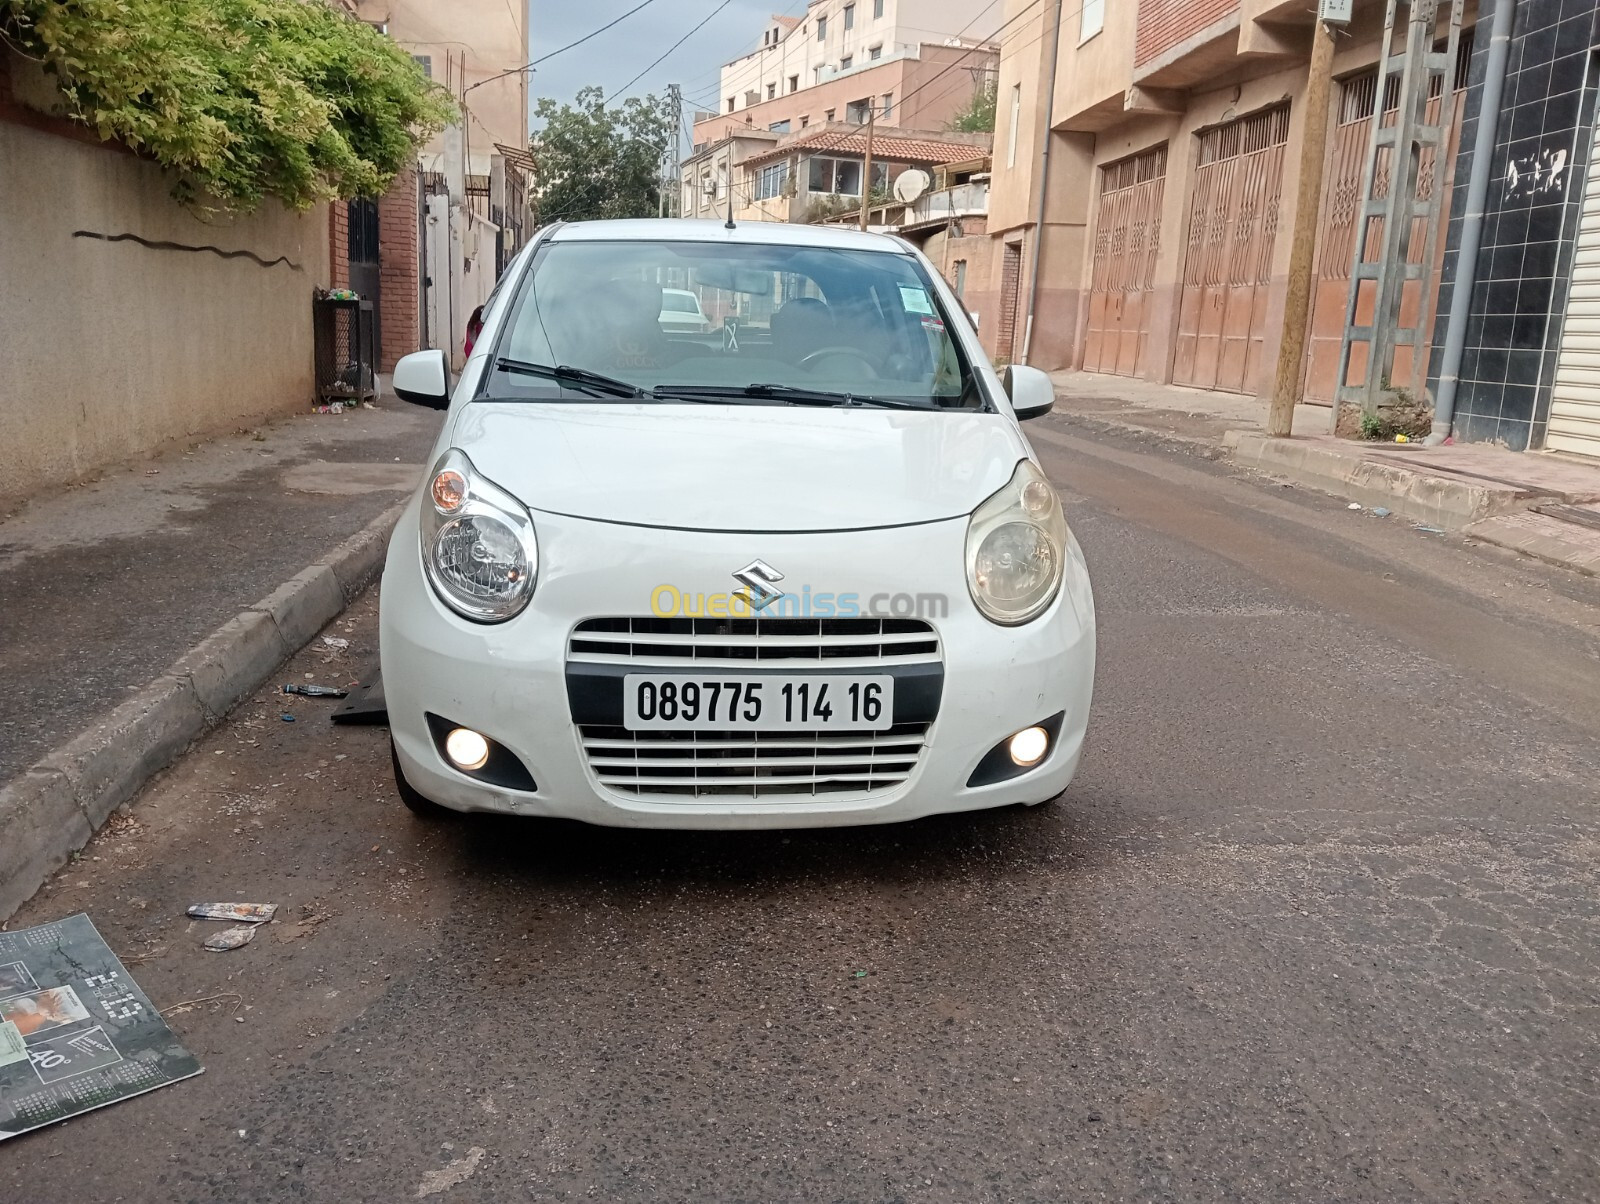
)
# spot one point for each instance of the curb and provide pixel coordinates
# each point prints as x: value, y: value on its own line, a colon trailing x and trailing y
x: 1437, y: 501
x: 50, y: 811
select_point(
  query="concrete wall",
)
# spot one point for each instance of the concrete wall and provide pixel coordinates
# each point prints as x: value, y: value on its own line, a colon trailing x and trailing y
x: 109, y: 349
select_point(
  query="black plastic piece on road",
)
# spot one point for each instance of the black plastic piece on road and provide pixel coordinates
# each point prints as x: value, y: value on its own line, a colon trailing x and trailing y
x: 366, y: 706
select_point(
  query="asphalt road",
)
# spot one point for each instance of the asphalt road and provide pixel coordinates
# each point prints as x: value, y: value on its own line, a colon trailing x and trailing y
x: 1319, y: 920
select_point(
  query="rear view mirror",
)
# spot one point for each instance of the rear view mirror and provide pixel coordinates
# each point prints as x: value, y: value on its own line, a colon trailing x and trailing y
x: 1031, y: 391
x: 423, y: 378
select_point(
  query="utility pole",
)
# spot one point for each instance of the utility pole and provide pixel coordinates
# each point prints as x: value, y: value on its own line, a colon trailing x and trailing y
x: 1302, y: 252
x: 672, y: 178
x: 866, y: 170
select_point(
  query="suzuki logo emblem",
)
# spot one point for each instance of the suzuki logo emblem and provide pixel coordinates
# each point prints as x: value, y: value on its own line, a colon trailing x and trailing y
x: 759, y: 580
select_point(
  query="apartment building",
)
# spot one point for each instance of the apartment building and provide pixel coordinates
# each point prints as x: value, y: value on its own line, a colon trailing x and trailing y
x: 838, y: 38
x: 1165, y: 165
x: 396, y: 250
x: 911, y: 64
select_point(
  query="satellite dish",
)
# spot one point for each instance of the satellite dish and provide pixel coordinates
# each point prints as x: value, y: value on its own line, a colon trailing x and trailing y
x: 911, y: 184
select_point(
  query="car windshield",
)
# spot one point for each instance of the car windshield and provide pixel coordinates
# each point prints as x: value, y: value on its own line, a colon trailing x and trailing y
x: 782, y: 325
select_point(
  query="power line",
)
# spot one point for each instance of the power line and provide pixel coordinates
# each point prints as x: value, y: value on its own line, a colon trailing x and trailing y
x: 622, y: 90
x: 563, y: 49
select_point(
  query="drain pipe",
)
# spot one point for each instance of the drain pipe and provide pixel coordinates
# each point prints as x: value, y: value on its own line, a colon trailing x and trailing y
x: 1044, y: 184
x: 1455, y: 335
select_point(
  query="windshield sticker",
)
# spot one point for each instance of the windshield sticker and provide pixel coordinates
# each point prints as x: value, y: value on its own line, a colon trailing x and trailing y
x: 915, y: 300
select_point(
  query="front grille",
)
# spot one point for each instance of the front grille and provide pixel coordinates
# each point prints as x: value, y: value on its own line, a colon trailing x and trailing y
x: 836, y: 642
x: 778, y: 765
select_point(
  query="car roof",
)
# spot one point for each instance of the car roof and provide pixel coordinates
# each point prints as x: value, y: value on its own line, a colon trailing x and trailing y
x: 679, y: 229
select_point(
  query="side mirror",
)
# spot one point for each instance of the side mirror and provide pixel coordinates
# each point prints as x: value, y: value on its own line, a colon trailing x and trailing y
x: 423, y: 378
x: 1031, y: 392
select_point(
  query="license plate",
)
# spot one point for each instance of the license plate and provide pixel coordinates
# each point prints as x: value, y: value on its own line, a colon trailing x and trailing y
x: 694, y: 702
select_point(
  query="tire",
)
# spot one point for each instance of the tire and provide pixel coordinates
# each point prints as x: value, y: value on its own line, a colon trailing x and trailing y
x: 423, y: 808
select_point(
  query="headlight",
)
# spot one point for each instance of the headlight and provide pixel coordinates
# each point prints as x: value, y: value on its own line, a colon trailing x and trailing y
x: 478, y: 545
x: 1016, y: 548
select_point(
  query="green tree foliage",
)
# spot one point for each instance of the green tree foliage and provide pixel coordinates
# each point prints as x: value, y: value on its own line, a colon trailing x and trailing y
x: 241, y: 99
x: 978, y: 116
x: 598, y: 162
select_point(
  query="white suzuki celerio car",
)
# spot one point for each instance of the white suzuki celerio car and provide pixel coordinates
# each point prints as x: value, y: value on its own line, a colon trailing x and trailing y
x: 804, y: 573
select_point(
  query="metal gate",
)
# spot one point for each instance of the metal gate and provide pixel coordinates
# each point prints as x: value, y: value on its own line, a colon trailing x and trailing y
x: 363, y: 248
x: 1233, y: 224
x: 1010, y: 290
x: 1126, y: 240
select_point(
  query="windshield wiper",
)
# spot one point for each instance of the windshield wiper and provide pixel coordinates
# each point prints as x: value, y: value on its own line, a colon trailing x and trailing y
x: 788, y: 394
x: 580, y: 378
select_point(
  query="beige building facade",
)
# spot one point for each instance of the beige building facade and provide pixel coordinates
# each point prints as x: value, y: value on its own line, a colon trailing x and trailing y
x: 468, y: 47
x: 836, y: 39
x: 1173, y: 149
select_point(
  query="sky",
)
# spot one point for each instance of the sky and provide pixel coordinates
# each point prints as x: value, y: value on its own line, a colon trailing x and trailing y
x: 619, y: 54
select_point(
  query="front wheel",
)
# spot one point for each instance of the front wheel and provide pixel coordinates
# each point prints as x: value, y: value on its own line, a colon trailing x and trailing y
x: 424, y: 808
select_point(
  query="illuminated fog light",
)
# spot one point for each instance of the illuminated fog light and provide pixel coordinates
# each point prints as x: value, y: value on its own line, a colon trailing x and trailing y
x: 1029, y: 746
x: 470, y: 751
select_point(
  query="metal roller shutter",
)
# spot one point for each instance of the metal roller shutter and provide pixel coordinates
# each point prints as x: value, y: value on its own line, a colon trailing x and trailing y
x: 1575, y: 403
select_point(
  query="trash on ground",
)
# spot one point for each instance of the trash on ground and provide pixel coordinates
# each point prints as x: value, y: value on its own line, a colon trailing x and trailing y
x: 295, y: 687
x: 286, y: 717
x: 333, y: 641
x: 1353, y: 506
x: 232, y: 938
x: 1381, y: 511
x: 248, y: 913
x: 1402, y: 438
x: 91, y: 1037
x: 1429, y: 530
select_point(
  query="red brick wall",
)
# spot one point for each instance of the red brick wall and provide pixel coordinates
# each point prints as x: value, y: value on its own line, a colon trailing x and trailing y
x: 397, y: 271
x: 338, y: 244
x: 1164, y: 24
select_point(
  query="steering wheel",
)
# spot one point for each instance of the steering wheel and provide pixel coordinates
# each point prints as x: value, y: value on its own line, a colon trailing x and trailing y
x: 807, y: 361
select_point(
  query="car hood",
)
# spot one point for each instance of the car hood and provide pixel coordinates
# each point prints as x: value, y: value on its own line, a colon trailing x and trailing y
x: 740, y: 468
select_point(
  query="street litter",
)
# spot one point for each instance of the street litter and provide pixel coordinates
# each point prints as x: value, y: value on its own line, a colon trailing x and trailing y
x: 333, y: 641
x: 232, y: 938
x: 247, y: 913
x: 295, y: 687
x: 1381, y: 512
x: 286, y: 717
x: 76, y: 1032
x: 1429, y: 530
x: 1353, y: 506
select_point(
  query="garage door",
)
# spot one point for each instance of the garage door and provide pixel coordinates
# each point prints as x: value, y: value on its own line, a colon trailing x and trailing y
x: 1233, y: 223
x: 1575, y: 403
x: 1126, y: 238
x: 1349, y: 145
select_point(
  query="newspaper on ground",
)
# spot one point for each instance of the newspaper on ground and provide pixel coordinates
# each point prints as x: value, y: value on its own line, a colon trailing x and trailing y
x: 76, y: 1032
x: 242, y: 913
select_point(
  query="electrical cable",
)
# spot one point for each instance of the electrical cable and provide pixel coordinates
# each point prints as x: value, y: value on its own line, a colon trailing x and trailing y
x: 623, y: 90
x: 563, y: 49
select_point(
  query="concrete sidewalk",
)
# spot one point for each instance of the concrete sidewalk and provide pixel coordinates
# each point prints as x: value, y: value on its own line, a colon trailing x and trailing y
x: 1540, y: 504
x: 139, y: 606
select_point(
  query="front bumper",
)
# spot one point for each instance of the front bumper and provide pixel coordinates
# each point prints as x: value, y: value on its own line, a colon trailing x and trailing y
x: 510, y: 680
